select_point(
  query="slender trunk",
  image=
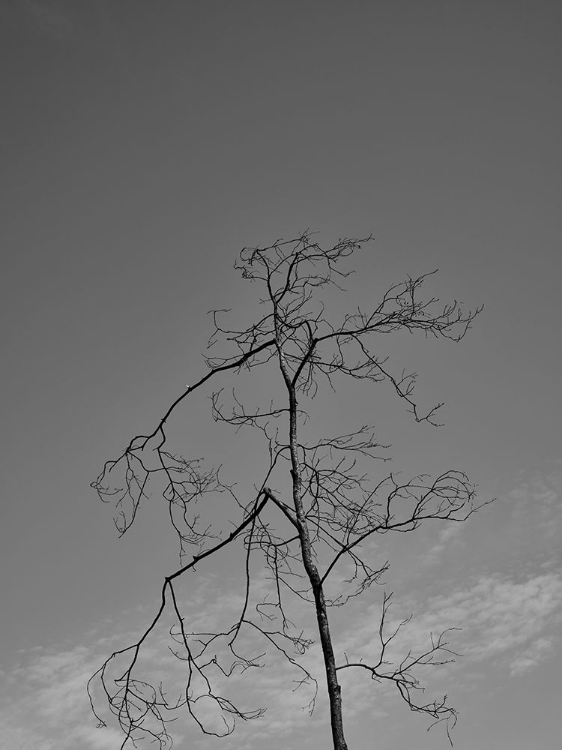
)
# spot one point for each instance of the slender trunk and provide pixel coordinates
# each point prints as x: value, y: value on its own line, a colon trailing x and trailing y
x: 334, y: 689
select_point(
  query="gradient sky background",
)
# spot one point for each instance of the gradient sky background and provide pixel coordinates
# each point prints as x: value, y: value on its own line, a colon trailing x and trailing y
x: 143, y: 144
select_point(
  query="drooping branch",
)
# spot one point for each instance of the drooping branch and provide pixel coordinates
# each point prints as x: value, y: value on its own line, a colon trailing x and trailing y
x: 401, y: 673
x: 141, y: 710
x: 137, y: 473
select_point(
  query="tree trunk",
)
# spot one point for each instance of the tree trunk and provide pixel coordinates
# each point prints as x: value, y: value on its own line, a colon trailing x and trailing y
x: 334, y: 689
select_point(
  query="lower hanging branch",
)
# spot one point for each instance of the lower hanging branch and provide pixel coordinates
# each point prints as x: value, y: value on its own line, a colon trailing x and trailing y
x: 402, y: 674
x: 142, y: 707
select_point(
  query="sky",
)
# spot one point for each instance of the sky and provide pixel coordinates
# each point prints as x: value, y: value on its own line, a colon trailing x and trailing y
x: 143, y: 145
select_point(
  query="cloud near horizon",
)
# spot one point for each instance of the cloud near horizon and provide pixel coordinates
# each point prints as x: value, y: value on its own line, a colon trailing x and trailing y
x: 510, y: 624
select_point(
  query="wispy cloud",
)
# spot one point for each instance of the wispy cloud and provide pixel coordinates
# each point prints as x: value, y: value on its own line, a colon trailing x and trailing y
x: 45, y: 704
x: 533, y: 655
x: 536, y: 511
x: 510, y: 622
x: 448, y: 539
x: 521, y: 530
x: 53, y: 682
x: 500, y: 618
x: 512, y: 625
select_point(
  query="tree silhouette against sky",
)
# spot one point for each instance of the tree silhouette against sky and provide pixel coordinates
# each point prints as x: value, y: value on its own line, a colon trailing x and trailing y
x: 316, y: 505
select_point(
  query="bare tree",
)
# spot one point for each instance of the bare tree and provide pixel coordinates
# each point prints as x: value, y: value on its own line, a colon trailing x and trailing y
x: 315, y: 504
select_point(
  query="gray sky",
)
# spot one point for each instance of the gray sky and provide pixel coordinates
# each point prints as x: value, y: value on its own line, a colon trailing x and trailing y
x: 143, y: 144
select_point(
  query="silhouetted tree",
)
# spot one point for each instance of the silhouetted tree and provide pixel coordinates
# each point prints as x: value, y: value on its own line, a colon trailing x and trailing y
x: 315, y: 503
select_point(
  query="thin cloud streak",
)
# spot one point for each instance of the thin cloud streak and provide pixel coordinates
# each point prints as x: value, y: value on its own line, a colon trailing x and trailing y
x: 500, y: 618
x: 508, y: 622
